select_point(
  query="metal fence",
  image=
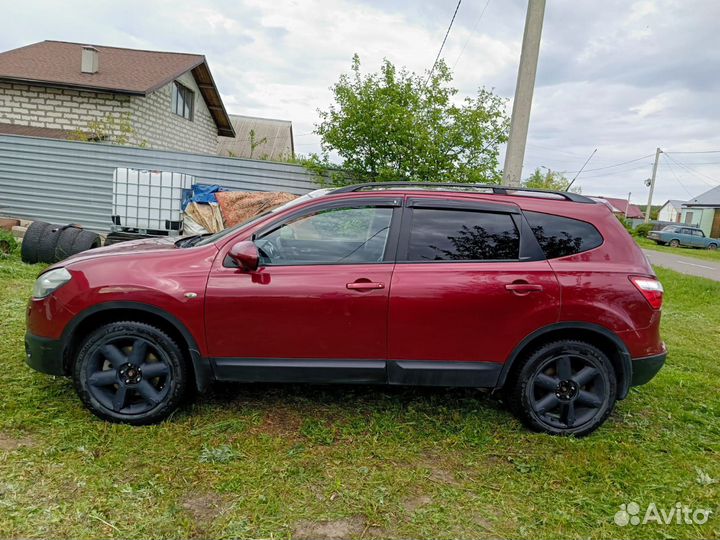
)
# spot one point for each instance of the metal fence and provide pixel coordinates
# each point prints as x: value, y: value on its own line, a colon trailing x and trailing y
x: 72, y: 182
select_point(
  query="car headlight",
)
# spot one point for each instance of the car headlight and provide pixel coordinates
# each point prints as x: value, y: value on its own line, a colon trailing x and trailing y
x: 50, y: 281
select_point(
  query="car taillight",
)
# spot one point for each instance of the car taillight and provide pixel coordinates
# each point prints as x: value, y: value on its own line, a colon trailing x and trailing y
x: 651, y: 289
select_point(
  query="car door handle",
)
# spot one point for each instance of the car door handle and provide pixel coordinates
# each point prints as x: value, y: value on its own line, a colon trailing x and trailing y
x: 523, y: 288
x: 365, y: 285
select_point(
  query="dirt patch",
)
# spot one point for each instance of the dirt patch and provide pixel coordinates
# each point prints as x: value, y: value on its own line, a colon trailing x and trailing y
x: 8, y: 443
x: 205, y: 508
x: 329, y: 530
x: 280, y: 422
x: 442, y: 476
x: 411, y: 505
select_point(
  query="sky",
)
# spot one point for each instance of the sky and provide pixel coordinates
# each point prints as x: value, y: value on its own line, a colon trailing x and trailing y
x: 623, y: 77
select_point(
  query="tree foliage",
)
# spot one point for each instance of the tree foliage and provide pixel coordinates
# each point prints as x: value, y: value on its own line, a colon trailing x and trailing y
x: 552, y: 180
x: 397, y: 125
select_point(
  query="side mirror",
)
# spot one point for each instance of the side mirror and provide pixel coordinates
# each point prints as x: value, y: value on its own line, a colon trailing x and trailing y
x: 245, y: 255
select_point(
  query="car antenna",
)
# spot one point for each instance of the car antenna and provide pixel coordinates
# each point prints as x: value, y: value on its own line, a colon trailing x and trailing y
x: 581, y: 170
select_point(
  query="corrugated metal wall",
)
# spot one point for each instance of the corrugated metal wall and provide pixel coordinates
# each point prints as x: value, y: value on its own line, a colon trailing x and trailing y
x: 71, y: 182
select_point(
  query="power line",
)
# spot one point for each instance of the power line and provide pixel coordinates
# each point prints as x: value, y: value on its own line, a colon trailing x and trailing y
x: 432, y: 69
x: 696, y: 173
x: 475, y: 26
x: 676, y: 176
x: 698, y: 152
x: 614, y: 165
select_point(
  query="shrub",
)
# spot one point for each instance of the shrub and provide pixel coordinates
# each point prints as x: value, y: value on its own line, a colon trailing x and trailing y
x: 8, y: 244
x: 643, y: 229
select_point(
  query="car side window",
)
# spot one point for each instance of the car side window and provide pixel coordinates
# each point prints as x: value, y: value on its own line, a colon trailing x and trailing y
x: 332, y: 236
x: 696, y: 232
x: 462, y: 235
x: 561, y: 236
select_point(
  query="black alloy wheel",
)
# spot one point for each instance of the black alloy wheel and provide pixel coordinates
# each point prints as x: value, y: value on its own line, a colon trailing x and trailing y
x: 565, y: 388
x: 130, y: 372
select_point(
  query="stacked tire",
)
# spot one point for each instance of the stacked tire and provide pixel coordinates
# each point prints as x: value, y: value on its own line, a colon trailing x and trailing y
x: 48, y: 243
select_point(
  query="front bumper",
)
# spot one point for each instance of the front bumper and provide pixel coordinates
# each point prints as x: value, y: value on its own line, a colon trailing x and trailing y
x: 45, y: 355
x: 644, y: 369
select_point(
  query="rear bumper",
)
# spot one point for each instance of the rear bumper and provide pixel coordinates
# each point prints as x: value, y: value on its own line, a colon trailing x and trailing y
x: 644, y: 369
x: 44, y: 355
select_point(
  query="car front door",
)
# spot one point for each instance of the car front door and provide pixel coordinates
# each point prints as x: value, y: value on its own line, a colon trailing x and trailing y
x: 470, y: 284
x: 319, y: 295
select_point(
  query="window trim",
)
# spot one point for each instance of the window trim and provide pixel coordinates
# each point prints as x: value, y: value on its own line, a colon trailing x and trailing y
x: 529, y: 249
x: 377, y: 202
x: 180, y: 88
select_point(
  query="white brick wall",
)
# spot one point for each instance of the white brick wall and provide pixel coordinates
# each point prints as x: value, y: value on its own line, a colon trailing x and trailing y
x: 154, y: 123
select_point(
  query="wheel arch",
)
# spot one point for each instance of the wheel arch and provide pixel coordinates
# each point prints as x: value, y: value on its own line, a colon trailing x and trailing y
x: 91, y: 318
x: 599, y: 336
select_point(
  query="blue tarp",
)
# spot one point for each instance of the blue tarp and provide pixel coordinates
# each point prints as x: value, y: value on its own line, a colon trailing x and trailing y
x: 201, y: 193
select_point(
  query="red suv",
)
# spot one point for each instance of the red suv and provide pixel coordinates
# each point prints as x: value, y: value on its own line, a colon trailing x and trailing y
x: 541, y: 295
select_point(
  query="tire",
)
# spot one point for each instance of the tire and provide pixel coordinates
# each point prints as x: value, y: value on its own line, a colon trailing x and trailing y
x: 712, y: 247
x: 85, y: 240
x: 63, y: 249
x: 48, y: 243
x: 112, y: 377
x: 28, y: 249
x: 674, y: 243
x: 574, y: 403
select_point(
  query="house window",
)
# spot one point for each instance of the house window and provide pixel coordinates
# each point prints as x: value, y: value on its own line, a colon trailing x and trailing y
x: 689, y: 218
x: 183, y: 100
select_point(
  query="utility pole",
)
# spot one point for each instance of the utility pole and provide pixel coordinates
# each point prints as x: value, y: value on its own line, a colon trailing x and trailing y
x: 515, y: 152
x: 627, y: 206
x: 652, y: 185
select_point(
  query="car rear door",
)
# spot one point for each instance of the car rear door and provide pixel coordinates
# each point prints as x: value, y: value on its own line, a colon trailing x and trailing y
x: 470, y: 283
x: 320, y: 294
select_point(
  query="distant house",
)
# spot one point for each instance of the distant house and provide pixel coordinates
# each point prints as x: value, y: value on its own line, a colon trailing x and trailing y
x: 704, y: 211
x: 258, y: 138
x: 68, y: 90
x: 621, y: 208
x: 671, y: 211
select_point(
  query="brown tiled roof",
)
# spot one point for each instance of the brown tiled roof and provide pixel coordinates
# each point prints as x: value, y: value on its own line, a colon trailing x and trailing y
x: 29, y: 131
x: 125, y: 71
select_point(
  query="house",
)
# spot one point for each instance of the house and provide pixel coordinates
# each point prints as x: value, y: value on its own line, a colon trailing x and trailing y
x: 160, y: 100
x: 258, y: 138
x: 671, y: 211
x: 621, y: 207
x: 704, y: 211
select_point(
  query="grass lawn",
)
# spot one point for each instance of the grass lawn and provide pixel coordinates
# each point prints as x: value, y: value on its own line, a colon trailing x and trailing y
x: 277, y: 461
x: 704, y: 254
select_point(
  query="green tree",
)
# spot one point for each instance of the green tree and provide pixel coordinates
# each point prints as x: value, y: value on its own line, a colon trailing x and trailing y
x: 550, y: 180
x: 397, y: 125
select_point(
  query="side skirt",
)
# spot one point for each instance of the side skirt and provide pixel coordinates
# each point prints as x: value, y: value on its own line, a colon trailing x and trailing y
x: 404, y: 372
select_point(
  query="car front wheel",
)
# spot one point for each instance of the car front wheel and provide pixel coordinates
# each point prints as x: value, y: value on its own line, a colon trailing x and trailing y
x: 564, y: 388
x: 130, y: 372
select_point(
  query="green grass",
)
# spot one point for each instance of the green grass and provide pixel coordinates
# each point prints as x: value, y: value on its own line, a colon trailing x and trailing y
x: 266, y: 461
x: 704, y: 254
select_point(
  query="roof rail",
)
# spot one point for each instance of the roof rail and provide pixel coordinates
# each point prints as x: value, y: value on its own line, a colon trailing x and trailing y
x: 488, y: 188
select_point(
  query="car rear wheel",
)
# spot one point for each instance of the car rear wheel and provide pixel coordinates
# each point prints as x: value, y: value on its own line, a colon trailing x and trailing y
x: 130, y: 372
x: 674, y: 243
x: 564, y: 388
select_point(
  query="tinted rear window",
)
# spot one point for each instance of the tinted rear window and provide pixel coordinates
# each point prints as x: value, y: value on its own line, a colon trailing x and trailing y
x: 561, y: 236
x: 462, y: 235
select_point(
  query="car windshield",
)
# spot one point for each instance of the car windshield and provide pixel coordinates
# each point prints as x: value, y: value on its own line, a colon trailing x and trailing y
x: 211, y: 238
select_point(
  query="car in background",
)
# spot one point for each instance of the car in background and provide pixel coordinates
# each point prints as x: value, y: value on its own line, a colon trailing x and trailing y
x: 680, y: 235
